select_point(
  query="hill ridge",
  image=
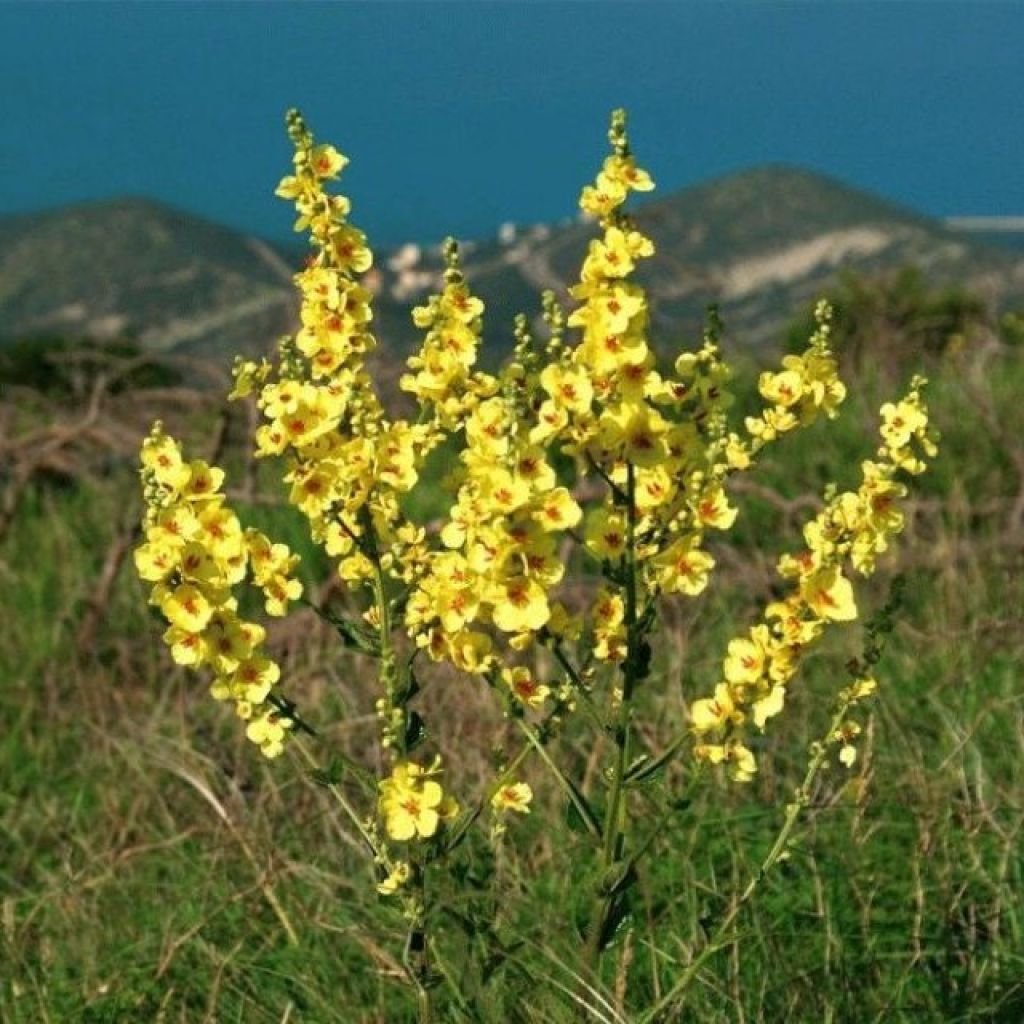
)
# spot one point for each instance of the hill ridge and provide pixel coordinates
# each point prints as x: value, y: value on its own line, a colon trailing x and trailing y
x: 760, y: 241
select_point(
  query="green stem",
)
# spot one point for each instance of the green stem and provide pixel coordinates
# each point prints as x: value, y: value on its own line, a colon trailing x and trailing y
x: 450, y: 979
x: 509, y: 772
x: 578, y: 801
x: 581, y: 693
x: 342, y: 800
x: 616, y: 818
x: 721, y: 936
x: 388, y: 659
x: 417, y: 958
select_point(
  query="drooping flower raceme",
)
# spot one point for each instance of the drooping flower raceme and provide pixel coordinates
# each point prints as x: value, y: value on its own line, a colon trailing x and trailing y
x: 853, y: 529
x: 195, y: 553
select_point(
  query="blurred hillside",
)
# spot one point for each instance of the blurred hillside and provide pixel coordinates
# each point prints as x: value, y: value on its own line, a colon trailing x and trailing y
x: 761, y: 244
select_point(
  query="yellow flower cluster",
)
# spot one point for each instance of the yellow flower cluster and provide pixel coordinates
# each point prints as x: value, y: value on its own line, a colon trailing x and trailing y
x: 660, y: 444
x: 502, y: 540
x: 194, y: 552
x: 443, y: 380
x: 855, y: 527
x: 347, y: 463
x: 806, y: 385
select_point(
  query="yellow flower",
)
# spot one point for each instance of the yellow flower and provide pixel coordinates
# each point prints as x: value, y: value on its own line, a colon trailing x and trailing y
x: 845, y: 735
x: 203, y: 482
x: 540, y: 562
x: 785, y: 388
x: 187, y: 648
x: 269, y: 731
x: 515, y: 796
x: 623, y: 171
x: 410, y: 803
x: 608, y: 610
x: 220, y: 532
x: 174, y: 526
x: 654, y: 488
x: 610, y: 644
x: 636, y: 432
x: 504, y: 491
x: 746, y: 661
x: 255, y: 677
x: 712, y: 713
x: 569, y: 389
x: 741, y: 761
x: 349, y: 249
x: 863, y: 688
x: 600, y: 201
x: 900, y: 422
x: 155, y: 561
x: 609, y: 353
x: 608, y: 257
x: 162, y: 456
x: 713, y: 508
x: 198, y: 566
x: 532, y: 467
x: 526, y: 688
x: 227, y: 641
x: 768, y: 706
x: 558, y: 510
x: 397, y: 877
x: 683, y: 567
x: 737, y: 453
x: 829, y: 595
x: 326, y: 162
x: 187, y: 607
x: 605, y: 534
x: 520, y: 605
x: 470, y: 651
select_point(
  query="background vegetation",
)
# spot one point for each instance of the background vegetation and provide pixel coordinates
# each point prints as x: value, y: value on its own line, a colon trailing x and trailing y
x: 156, y: 869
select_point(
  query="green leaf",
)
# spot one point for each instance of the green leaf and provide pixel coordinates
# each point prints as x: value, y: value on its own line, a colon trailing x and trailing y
x: 646, y: 769
x: 617, y: 921
x: 330, y: 775
x: 618, y: 878
x: 408, y: 688
x: 352, y: 634
x: 456, y: 834
x: 498, y: 959
x: 415, y: 730
x: 580, y: 816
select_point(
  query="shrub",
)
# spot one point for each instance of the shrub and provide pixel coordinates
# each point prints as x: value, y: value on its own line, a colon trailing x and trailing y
x: 587, y: 485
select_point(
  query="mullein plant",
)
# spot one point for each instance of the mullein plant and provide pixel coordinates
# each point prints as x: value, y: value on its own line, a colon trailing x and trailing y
x: 581, y: 441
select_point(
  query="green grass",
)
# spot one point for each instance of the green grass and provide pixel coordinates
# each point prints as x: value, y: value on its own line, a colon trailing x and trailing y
x: 153, y: 866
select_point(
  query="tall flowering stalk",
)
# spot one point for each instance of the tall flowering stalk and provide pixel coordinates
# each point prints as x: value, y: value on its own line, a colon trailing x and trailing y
x: 579, y: 442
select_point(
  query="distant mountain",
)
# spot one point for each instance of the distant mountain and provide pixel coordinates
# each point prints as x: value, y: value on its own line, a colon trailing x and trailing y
x: 762, y: 244
x: 137, y: 267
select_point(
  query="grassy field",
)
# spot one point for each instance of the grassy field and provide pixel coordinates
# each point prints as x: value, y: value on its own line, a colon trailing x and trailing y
x: 155, y: 869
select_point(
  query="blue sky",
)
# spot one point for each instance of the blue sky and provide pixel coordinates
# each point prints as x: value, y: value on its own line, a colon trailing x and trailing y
x: 459, y: 116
